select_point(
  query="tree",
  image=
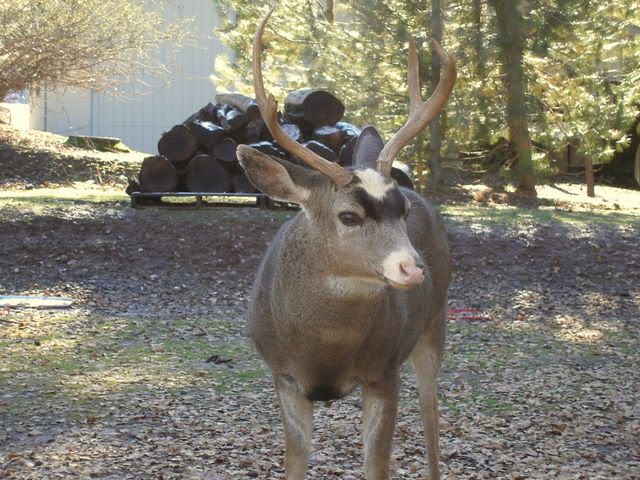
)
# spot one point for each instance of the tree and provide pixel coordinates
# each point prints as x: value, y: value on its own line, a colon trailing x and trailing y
x: 510, y: 27
x: 94, y: 44
x: 435, y: 132
x: 585, y: 76
x: 361, y: 56
x: 551, y: 72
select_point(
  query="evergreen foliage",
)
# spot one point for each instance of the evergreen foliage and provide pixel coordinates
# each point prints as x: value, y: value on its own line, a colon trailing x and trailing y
x: 581, y: 61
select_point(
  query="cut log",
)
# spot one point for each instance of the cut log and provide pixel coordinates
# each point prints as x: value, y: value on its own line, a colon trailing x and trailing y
x: 330, y: 136
x: 346, y: 152
x: 206, y: 174
x: 157, y: 174
x: 269, y: 148
x: 221, y: 116
x: 206, y: 133
x: 306, y: 129
x: 178, y: 144
x: 133, y: 185
x: 254, y: 129
x: 205, y: 114
x: 322, y: 150
x: 242, y: 102
x: 293, y: 131
x: 349, y: 129
x: 318, y: 107
x: 225, y: 150
x: 401, y: 173
x: 241, y: 184
x: 236, y: 118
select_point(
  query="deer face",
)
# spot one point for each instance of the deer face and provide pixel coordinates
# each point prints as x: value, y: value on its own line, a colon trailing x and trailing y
x: 363, y: 224
x: 366, y: 225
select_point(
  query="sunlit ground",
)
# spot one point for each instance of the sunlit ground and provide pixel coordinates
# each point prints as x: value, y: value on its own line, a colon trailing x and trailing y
x: 545, y: 388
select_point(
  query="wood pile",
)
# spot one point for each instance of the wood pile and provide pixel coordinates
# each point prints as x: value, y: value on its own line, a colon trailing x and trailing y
x: 199, y: 154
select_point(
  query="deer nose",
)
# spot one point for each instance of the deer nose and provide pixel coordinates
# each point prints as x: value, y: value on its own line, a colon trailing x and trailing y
x: 411, y: 273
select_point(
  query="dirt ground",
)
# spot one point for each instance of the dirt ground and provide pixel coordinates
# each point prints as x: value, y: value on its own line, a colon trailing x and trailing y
x: 149, y: 374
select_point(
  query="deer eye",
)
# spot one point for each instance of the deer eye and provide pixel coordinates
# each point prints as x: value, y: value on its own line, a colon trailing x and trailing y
x: 350, y: 219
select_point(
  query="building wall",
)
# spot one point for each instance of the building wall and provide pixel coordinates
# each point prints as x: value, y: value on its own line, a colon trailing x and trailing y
x: 139, y: 119
x: 18, y: 114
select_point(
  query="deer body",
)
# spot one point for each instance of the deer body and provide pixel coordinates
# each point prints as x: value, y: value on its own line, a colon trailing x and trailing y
x: 327, y: 331
x: 354, y: 284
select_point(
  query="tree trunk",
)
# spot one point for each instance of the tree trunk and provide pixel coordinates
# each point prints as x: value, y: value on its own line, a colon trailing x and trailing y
x: 435, y: 134
x: 328, y: 11
x: 510, y: 26
x: 482, y: 131
x: 588, y: 176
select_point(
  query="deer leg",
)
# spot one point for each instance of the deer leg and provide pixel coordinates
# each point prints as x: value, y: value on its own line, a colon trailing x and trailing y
x: 379, y: 411
x: 426, y: 363
x: 297, y: 417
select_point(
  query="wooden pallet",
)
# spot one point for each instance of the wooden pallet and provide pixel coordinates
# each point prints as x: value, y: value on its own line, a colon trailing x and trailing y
x: 153, y: 199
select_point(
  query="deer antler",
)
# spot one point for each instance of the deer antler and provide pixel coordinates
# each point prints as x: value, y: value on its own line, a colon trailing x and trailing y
x: 420, y: 113
x: 268, y: 108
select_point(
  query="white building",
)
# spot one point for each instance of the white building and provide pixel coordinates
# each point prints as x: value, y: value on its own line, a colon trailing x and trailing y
x: 139, y: 120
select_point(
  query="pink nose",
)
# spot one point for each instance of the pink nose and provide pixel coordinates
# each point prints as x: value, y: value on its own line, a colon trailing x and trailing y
x: 411, y: 273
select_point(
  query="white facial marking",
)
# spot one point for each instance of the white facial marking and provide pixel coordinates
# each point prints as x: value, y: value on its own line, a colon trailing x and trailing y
x: 391, y: 264
x: 373, y: 183
x: 351, y: 286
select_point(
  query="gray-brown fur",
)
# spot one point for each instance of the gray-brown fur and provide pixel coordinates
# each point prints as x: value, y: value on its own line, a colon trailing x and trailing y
x: 321, y: 342
x: 353, y: 285
x: 301, y: 326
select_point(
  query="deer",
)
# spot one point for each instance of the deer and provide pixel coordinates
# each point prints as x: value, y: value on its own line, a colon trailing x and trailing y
x: 355, y: 283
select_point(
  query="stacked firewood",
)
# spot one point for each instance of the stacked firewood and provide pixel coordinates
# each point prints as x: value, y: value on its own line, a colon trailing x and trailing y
x: 199, y: 155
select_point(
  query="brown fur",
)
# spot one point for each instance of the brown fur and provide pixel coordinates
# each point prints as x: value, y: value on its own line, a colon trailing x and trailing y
x: 322, y: 342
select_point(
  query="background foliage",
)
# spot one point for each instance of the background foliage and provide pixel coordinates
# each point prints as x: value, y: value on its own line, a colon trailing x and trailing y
x: 93, y: 44
x: 581, y: 59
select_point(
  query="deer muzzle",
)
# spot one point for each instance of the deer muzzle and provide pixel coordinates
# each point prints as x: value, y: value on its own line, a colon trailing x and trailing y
x: 402, y: 270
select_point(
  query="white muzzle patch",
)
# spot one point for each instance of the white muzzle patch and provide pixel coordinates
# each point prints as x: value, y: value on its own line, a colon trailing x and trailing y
x: 400, y: 269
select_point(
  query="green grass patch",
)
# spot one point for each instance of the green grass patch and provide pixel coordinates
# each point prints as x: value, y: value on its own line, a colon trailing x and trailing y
x: 71, y: 359
x: 62, y: 196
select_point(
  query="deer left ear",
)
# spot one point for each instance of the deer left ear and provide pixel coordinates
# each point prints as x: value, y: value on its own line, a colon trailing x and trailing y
x: 279, y: 179
x: 368, y: 148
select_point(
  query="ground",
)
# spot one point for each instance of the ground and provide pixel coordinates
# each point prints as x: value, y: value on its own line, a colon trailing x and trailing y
x: 149, y: 374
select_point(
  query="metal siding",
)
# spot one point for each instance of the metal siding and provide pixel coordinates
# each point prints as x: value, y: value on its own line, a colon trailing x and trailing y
x: 139, y: 120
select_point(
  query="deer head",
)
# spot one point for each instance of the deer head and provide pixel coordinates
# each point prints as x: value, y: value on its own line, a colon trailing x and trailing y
x: 359, y: 212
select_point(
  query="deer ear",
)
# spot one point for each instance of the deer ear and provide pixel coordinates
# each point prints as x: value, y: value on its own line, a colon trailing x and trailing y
x: 368, y: 148
x: 279, y: 179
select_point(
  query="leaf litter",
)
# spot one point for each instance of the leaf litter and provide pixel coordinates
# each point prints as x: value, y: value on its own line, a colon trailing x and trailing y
x: 150, y: 375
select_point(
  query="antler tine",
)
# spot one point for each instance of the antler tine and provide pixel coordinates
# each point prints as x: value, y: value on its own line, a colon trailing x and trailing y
x: 269, y: 110
x: 420, y: 113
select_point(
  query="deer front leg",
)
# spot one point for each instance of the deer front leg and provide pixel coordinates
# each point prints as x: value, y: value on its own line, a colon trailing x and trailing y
x: 426, y: 363
x: 379, y: 411
x: 297, y: 417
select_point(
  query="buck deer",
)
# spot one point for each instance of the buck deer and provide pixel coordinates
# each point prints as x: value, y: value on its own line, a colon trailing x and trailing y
x: 354, y: 284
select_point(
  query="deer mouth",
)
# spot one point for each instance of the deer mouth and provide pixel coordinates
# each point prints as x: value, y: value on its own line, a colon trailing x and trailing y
x: 398, y: 286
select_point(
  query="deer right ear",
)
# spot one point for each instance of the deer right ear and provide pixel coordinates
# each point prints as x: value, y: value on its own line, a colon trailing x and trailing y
x: 368, y: 148
x: 272, y: 178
